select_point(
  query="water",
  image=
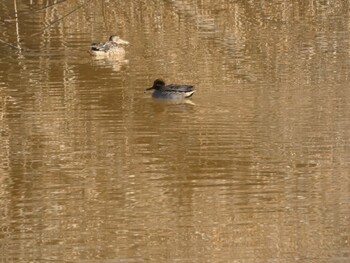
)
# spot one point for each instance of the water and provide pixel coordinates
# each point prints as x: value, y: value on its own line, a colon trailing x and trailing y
x: 253, y: 169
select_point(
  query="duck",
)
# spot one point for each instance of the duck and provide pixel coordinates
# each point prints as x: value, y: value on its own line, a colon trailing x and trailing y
x: 114, y: 47
x: 171, y: 91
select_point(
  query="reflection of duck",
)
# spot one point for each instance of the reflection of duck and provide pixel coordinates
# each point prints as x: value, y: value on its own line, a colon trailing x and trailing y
x: 110, y: 63
x: 113, y: 48
x: 171, y: 91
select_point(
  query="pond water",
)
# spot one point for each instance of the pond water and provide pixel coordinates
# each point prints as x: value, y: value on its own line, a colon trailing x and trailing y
x: 253, y: 169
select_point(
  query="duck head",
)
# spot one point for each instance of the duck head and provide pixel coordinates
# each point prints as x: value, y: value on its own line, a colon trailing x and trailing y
x: 157, y: 84
x: 118, y: 40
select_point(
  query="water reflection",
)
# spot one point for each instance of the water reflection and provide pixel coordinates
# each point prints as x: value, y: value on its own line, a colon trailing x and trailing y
x: 255, y: 169
x: 115, y: 65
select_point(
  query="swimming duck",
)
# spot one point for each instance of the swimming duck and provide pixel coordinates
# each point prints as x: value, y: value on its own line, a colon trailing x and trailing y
x: 112, y: 48
x: 171, y: 91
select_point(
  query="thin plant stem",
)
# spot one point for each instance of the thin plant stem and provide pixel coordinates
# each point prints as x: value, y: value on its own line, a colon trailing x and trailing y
x: 17, y: 25
x: 25, y: 13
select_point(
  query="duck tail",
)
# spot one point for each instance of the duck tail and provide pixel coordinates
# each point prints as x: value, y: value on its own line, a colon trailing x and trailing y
x: 189, y: 94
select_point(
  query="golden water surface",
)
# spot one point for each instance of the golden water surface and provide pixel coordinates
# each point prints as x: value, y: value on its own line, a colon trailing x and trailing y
x: 254, y: 169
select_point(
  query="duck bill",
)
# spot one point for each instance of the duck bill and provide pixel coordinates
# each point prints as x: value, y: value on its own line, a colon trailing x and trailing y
x: 150, y: 88
x: 122, y: 42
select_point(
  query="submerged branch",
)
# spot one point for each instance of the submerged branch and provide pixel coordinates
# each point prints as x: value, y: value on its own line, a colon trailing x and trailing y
x: 57, y: 20
x: 10, y: 45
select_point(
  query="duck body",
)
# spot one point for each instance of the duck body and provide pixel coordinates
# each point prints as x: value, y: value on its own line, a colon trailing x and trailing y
x: 113, y: 48
x: 171, y: 91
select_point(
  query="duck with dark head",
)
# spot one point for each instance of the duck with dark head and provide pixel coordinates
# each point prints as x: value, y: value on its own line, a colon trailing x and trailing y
x: 171, y: 91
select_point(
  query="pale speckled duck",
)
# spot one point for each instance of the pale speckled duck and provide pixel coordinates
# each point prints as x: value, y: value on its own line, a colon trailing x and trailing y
x: 171, y: 91
x: 113, y: 48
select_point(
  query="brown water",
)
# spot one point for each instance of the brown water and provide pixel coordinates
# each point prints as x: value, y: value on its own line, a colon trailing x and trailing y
x: 254, y: 170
